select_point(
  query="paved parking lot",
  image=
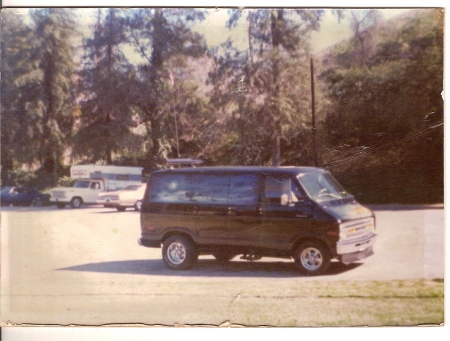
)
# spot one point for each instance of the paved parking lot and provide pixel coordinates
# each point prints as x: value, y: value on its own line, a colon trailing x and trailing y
x: 85, y: 267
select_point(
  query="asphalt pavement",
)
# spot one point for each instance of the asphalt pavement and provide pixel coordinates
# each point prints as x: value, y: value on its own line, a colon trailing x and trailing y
x: 84, y: 266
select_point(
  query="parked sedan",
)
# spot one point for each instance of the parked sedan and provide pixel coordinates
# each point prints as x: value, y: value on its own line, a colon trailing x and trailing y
x: 130, y: 196
x: 23, y: 196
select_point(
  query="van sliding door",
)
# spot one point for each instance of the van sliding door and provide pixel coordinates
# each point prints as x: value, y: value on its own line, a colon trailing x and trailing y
x: 243, y: 211
x: 211, y: 206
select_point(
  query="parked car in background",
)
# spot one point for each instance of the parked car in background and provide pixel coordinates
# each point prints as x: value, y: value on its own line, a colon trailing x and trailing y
x: 23, y: 196
x: 129, y: 197
x: 93, y: 180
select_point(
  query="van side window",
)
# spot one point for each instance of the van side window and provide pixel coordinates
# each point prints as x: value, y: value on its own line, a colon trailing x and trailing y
x: 243, y: 190
x: 210, y: 189
x: 188, y: 189
x: 279, y: 191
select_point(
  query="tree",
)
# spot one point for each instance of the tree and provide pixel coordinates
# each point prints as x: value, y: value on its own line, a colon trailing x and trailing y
x: 43, y: 81
x: 390, y: 112
x: 360, y: 22
x: 106, y: 90
x: 14, y: 53
x: 274, y: 72
x: 162, y: 36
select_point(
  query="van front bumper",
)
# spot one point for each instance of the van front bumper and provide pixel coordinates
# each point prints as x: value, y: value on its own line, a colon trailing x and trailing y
x: 350, y: 251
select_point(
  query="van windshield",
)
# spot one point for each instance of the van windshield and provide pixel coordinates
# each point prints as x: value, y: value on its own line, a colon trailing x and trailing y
x: 322, y: 186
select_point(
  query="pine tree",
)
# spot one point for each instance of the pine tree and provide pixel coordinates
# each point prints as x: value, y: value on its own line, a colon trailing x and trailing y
x: 43, y: 80
x: 106, y: 89
x: 14, y: 53
x: 164, y: 39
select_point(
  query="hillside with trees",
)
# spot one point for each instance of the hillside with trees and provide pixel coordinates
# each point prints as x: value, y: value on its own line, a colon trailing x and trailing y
x: 138, y: 86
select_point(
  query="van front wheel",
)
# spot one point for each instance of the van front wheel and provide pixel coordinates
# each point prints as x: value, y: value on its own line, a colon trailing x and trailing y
x: 179, y: 253
x: 312, y: 258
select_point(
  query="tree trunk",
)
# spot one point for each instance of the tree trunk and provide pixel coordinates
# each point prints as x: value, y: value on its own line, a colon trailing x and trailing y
x: 276, y: 22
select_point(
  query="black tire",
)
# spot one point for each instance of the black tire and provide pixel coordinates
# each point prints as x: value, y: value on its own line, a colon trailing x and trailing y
x: 76, y: 202
x: 37, y: 202
x: 138, y: 205
x: 61, y: 205
x: 223, y: 256
x: 312, y: 258
x: 179, y: 253
x: 121, y: 208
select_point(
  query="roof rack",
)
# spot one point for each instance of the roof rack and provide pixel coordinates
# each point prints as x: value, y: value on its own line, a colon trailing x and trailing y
x: 183, y: 162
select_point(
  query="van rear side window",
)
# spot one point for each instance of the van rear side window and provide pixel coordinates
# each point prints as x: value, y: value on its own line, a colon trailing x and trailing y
x: 181, y: 188
x: 243, y: 190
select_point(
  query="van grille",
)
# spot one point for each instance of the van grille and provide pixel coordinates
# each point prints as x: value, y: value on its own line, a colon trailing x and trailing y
x: 357, y: 228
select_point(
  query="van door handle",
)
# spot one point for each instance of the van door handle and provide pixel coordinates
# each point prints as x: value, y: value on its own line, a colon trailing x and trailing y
x: 302, y: 215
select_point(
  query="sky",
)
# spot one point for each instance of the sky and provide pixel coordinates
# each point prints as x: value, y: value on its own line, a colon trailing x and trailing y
x: 331, y: 31
x: 213, y: 28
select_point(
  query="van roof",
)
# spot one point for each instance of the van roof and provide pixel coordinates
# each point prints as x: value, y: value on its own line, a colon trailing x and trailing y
x: 287, y: 170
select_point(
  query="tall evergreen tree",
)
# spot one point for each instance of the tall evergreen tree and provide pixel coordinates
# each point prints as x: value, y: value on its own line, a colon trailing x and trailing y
x: 106, y: 87
x: 43, y: 80
x: 160, y: 35
x: 15, y: 53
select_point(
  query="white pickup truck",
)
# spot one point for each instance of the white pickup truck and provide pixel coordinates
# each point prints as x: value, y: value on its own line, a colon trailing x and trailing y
x: 93, y: 180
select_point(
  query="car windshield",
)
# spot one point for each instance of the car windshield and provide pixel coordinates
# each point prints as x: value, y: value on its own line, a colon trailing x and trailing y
x: 82, y: 184
x: 6, y: 189
x: 322, y: 186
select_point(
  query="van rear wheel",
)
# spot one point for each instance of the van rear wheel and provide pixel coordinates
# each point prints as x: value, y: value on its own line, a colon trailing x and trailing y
x: 179, y: 253
x: 312, y: 258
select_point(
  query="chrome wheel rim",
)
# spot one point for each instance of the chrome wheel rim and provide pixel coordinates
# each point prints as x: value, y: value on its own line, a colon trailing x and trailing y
x: 176, y: 253
x: 311, y: 259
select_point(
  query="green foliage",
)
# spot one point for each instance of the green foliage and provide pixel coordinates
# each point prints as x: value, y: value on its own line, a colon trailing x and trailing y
x: 53, y: 100
x: 165, y: 40
x: 266, y: 88
x: 387, y: 114
x: 378, y: 96
x: 37, y: 83
x: 23, y: 178
x: 66, y: 181
x: 13, y: 60
x: 106, y: 91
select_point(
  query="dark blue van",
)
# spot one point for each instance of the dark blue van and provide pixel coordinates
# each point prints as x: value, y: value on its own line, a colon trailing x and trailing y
x: 287, y: 212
